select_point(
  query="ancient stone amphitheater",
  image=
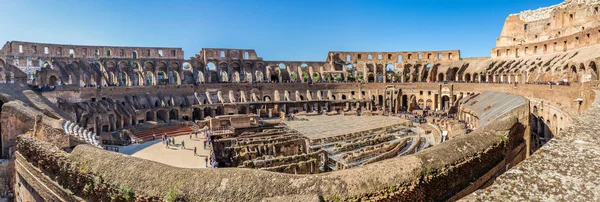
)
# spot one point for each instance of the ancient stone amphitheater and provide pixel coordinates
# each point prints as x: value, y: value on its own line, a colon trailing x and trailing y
x: 520, y: 125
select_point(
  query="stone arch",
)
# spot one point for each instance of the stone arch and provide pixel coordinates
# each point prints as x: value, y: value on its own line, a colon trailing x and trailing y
x: 370, y: 77
x: 174, y: 114
x: 421, y: 104
x: 446, y: 102
x: 52, y: 81
x: 188, y: 77
x: 149, y: 79
x: 162, y: 115
x: 429, y: 104
x: 316, y: 76
x: 468, y: 77
x: 426, y: 71
x: 593, y: 70
x: 440, y: 77
x: 259, y: 76
x: 123, y: 79
x: 150, y: 115
x: 162, y: 66
x: 148, y: 66
x: 162, y: 78
x: 174, y: 78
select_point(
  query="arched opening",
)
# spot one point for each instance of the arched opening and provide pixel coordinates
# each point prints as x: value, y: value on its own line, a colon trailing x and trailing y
x: 242, y: 110
x: 316, y: 76
x: 162, y: 78
x: 440, y: 77
x: 162, y: 115
x: 149, y: 77
x: 421, y: 104
x: 149, y: 116
x: 173, y: 114
x: 445, y: 102
x: 593, y: 70
x: 426, y: 70
x: 123, y: 79
x: 428, y: 104
x: 211, y: 66
x: 52, y: 81
x: 174, y: 78
x: 370, y: 77
x: 468, y: 77
x: 267, y: 98
x: 274, y: 76
x: 196, y: 114
x: 134, y: 54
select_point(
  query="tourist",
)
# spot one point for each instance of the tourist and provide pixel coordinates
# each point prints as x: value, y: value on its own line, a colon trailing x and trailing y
x: 195, y: 154
x: 167, y: 144
x: 182, y: 144
x: 153, y: 137
x: 190, y: 136
x: 206, y: 161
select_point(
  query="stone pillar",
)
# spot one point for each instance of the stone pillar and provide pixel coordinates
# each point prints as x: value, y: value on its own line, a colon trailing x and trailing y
x: 365, y: 76
x: 451, y: 95
x: 440, y: 101
x: 202, y: 114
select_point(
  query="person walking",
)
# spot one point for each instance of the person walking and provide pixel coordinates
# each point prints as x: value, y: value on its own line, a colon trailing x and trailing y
x: 153, y: 137
x: 195, y: 154
x: 206, y: 161
x: 182, y: 144
x: 167, y: 144
x: 190, y: 136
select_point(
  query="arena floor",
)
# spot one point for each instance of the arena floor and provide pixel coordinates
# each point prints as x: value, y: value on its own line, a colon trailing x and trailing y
x: 173, y: 156
x: 329, y: 126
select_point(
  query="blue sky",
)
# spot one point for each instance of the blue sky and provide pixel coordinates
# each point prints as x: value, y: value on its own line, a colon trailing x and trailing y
x: 277, y: 29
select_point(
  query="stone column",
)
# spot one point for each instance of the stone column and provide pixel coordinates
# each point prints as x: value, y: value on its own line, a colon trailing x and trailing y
x: 451, y: 95
x: 439, y: 104
x: 365, y: 77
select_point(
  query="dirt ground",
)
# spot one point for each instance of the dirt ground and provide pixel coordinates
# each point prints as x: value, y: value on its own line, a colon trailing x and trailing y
x: 174, y: 155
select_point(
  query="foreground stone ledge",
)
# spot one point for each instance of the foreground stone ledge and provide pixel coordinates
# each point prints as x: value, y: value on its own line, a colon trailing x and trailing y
x: 434, y: 174
x: 565, y: 169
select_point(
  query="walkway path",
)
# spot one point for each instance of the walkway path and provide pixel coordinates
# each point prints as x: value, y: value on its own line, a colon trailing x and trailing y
x: 173, y: 156
x: 567, y: 168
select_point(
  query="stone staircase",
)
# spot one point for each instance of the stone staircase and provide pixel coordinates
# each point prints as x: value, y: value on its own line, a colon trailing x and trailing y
x: 81, y: 133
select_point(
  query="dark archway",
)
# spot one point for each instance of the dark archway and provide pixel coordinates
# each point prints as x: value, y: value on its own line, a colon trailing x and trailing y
x: 52, y: 81
x: 150, y: 116
x: 445, y: 102
x: 162, y: 115
x: 196, y: 114
x: 174, y: 114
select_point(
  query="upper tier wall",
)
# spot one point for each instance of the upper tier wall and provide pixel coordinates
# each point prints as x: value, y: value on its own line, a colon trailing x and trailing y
x: 555, y: 24
x: 44, y: 50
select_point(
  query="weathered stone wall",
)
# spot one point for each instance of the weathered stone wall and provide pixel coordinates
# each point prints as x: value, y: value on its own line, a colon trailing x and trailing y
x: 558, y: 23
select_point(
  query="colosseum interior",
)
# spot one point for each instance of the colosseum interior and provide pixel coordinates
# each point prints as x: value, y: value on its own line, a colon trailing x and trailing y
x: 85, y: 123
